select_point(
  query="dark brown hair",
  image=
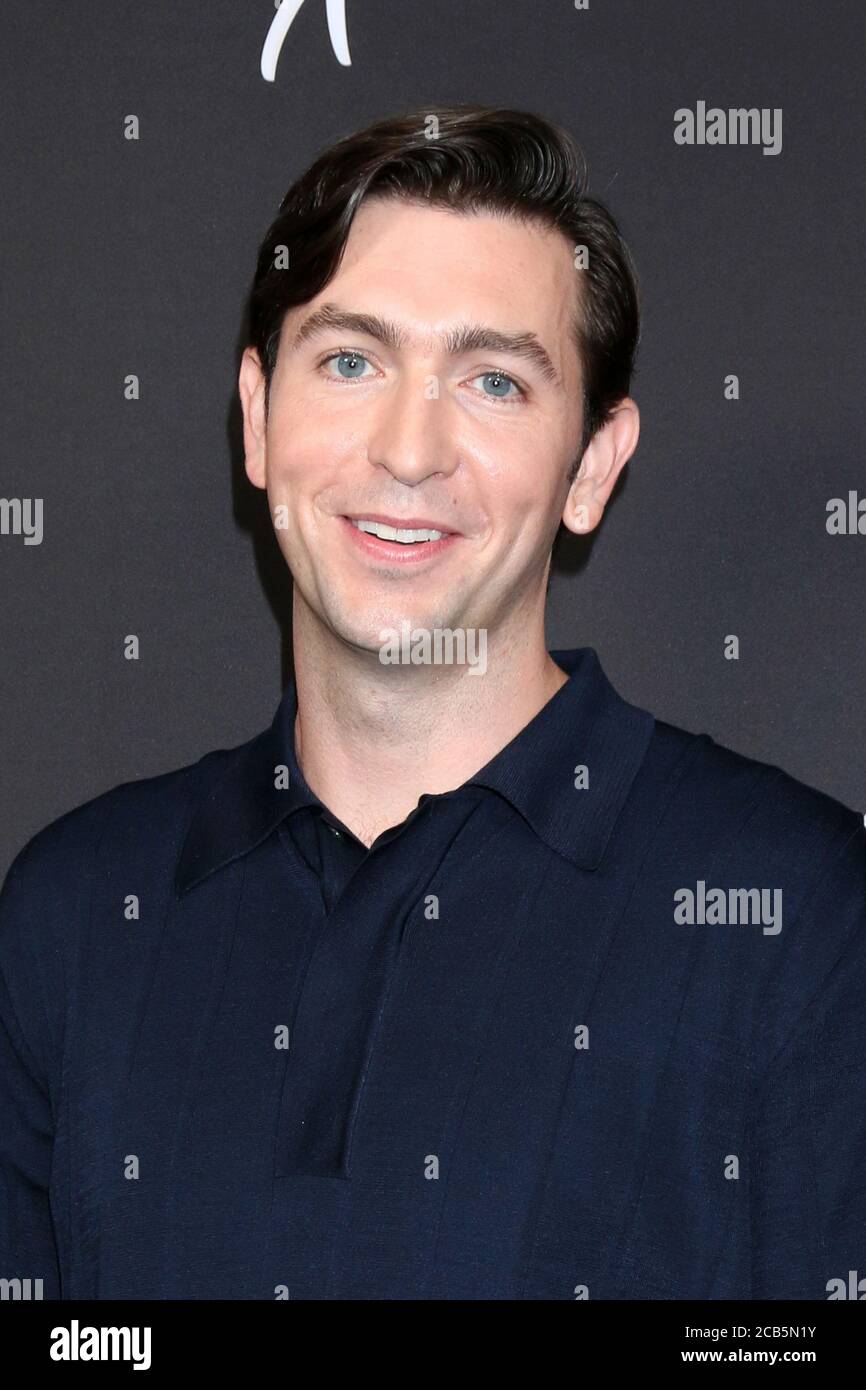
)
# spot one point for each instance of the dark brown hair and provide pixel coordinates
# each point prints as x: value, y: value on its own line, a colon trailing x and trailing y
x: 480, y: 159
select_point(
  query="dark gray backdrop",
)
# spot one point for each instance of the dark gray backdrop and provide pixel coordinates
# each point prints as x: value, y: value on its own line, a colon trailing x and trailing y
x: 136, y: 256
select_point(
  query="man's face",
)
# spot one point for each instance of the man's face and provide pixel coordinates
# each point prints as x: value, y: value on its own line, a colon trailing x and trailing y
x: 476, y: 444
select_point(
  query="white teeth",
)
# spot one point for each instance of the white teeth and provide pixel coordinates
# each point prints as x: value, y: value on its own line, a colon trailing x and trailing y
x: 390, y: 533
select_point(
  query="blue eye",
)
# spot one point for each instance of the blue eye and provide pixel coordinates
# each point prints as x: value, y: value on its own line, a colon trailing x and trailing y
x: 499, y: 379
x: 350, y: 366
x: 350, y: 360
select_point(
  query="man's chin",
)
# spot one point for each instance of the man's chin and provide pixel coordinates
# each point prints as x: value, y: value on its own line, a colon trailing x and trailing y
x: 391, y: 632
x: 393, y: 638
x: 405, y: 643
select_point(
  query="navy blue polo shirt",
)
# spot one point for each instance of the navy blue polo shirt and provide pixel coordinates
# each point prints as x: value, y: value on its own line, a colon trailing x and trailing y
x: 329, y: 849
x: 591, y: 1025
x: 326, y: 844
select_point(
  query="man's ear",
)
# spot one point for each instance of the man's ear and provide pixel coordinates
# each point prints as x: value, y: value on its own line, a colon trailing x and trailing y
x: 606, y: 455
x: 251, y: 386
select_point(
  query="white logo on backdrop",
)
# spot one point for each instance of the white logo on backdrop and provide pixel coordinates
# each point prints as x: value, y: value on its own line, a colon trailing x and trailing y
x: 335, y: 11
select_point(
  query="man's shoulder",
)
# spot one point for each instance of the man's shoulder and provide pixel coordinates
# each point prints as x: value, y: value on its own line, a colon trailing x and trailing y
x: 733, y: 821
x: 762, y: 798
x: 727, y: 822
x: 150, y: 810
x: 70, y: 883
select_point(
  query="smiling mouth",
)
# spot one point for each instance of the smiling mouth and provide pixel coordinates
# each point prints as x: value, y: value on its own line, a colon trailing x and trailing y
x: 403, y: 535
x: 399, y: 539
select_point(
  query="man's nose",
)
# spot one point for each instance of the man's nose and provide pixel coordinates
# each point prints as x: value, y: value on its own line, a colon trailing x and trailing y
x: 410, y: 435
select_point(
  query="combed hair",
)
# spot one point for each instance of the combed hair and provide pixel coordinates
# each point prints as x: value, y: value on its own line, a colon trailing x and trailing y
x: 482, y: 159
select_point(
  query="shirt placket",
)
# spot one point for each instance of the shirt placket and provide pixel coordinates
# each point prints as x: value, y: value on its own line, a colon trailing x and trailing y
x: 344, y: 994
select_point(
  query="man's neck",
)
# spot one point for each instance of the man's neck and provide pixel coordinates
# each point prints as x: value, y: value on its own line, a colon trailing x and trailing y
x: 371, y: 739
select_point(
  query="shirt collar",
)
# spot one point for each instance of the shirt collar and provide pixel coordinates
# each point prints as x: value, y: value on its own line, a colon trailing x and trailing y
x: 585, y: 724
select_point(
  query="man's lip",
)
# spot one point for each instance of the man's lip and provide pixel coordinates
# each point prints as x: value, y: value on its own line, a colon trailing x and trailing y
x: 402, y: 523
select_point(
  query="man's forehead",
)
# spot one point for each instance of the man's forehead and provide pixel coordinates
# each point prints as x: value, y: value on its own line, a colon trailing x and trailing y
x: 538, y: 326
x: 535, y: 240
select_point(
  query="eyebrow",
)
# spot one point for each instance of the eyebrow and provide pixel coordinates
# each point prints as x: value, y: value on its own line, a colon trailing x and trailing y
x: 463, y: 338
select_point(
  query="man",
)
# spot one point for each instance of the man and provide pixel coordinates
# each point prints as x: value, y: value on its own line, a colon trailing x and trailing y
x: 467, y: 978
